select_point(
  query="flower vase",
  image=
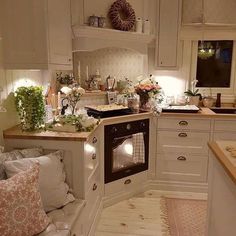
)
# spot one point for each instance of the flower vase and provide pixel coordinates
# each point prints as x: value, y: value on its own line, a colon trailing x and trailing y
x: 194, y: 100
x: 144, y: 102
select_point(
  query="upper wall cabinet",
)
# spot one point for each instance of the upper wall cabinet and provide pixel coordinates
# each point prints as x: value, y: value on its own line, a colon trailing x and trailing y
x: 210, y: 12
x: 168, y: 44
x: 36, y: 34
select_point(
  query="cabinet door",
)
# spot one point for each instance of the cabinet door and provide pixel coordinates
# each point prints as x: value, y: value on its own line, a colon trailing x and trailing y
x: 24, y: 41
x: 215, y: 12
x: 168, y: 42
x: 59, y: 31
x: 192, y: 12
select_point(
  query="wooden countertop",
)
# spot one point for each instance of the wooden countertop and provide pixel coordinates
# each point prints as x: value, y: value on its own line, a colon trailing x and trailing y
x: 16, y: 132
x: 204, y: 113
x: 218, y: 148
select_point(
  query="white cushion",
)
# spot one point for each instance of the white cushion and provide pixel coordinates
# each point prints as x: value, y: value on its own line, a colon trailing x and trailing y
x: 8, y: 156
x: 31, y: 152
x: 52, y: 186
x: 64, y: 220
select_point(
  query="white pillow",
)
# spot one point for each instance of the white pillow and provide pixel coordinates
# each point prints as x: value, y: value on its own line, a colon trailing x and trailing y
x: 52, y: 186
x: 31, y: 152
x: 8, y: 156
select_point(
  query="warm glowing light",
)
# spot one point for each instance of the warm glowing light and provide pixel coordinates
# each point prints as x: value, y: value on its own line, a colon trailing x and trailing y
x: 26, y: 82
x: 129, y: 148
x: 89, y: 148
x: 171, y: 85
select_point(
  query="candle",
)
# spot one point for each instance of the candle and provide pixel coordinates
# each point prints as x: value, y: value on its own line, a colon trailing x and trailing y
x: 87, y: 72
x: 54, y: 106
x: 78, y: 69
x: 58, y: 100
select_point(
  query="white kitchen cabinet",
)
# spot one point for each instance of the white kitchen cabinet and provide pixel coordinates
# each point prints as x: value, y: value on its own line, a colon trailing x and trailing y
x: 168, y: 44
x: 210, y: 12
x: 221, y: 200
x: 224, y: 129
x: 36, y: 34
x: 182, y: 152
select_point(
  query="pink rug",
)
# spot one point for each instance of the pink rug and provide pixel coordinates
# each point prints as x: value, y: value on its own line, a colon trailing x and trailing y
x: 183, y: 217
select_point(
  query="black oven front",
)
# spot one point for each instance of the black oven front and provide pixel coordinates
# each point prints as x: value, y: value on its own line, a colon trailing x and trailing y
x: 126, y: 149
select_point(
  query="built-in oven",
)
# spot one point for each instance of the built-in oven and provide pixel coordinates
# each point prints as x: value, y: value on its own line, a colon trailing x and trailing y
x: 126, y: 148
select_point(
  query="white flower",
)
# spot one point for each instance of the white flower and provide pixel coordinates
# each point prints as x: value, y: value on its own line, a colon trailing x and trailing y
x: 80, y: 90
x: 66, y: 90
x: 88, y: 121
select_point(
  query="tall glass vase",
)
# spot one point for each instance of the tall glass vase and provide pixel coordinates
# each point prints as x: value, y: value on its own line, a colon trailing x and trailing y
x: 144, y: 101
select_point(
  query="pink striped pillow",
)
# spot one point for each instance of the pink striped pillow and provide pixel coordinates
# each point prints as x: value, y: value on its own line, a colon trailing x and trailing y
x: 21, y: 209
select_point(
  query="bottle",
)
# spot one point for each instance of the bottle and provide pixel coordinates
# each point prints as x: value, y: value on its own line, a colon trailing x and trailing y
x: 218, y: 100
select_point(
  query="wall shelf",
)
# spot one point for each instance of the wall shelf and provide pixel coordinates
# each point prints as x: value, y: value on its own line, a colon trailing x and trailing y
x: 88, y: 38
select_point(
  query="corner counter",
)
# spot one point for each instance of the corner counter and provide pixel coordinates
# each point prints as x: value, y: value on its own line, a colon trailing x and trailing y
x: 222, y: 190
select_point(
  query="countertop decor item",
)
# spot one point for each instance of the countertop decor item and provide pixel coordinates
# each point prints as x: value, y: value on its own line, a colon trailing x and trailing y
x: 193, y: 95
x: 122, y: 15
x: 146, y: 89
x: 72, y: 96
x: 208, y: 101
x: 29, y: 103
x: 73, y: 123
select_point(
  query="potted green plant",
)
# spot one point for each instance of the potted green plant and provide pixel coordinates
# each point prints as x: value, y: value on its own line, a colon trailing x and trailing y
x: 30, y: 107
x: 194, y: 95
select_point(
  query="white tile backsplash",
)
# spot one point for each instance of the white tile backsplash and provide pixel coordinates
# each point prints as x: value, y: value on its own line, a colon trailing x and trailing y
x: 118, y: 62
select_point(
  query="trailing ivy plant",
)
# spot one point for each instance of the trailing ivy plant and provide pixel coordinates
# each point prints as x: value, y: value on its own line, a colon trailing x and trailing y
x: 30, y: 107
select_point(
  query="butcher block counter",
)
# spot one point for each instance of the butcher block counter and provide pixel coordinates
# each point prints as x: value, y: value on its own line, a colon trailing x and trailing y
x: 225, y: 152
x: 16, y: 132
x: 222, y: 189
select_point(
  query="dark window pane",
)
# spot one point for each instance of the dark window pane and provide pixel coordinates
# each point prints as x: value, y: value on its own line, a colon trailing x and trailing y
x: 214, y: 63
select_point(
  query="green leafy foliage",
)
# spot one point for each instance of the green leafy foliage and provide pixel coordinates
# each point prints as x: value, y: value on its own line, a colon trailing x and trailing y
x: 30, y: 107
x: 190, y: 93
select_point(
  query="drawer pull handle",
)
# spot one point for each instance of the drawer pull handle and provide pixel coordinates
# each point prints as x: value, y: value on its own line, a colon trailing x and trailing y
x: 94, y: 140
x: 95, y: 187
x: 182, y: 135
x: 94, y: 156
x: 183, y: 123
x: 181, y: 158
x: 128, y: 181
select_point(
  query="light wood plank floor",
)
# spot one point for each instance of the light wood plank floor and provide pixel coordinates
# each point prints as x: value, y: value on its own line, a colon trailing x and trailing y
x: 138, y: 216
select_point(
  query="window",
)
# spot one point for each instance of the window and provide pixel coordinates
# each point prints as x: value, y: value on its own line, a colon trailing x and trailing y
x: 213, y: 65
x: 214, y: 60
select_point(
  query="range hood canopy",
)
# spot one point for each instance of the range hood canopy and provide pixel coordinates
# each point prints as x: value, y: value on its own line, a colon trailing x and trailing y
x: 88, y: 38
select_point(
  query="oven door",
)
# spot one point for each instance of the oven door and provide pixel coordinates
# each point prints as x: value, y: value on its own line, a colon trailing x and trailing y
x: 126, y: 149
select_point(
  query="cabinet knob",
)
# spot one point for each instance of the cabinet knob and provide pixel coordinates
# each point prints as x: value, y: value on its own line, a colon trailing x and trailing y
x: 69, y: 59
x: 128, y: 181
x: 183, y: 123
x: 114, y: 130
x: 128, y: 126
x: 182, y: 135
x: 181, y: 158
x: 94, y: 156
x: 95, y: 187
x: 94, y: 140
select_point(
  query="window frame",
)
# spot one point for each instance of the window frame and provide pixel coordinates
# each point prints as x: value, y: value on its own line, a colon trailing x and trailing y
x: 226, y: 92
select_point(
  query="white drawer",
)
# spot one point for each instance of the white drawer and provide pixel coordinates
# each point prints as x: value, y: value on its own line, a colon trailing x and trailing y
x: 225, y: 125
x: 93, y: 199
x: 182, y: 141
x: 183, y: 124
x: 91, y: 160
x: 126, y: 184
x: 187, y: 167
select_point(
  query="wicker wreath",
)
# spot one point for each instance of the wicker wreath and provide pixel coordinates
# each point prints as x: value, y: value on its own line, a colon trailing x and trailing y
x: 122, y: 15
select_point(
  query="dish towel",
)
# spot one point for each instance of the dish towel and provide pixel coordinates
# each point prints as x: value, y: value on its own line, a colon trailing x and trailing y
x: 138, y: 148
